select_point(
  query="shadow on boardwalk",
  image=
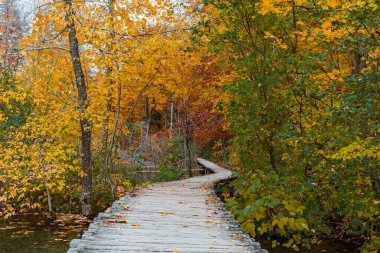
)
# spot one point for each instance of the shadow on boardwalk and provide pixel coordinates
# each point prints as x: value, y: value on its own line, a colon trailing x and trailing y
x: 180, y: 216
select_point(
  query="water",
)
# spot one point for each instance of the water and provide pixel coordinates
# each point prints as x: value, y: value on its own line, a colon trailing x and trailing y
x: 34, y: 233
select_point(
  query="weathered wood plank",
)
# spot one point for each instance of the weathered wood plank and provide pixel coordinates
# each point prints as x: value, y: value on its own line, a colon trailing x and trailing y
x: 180, y: 216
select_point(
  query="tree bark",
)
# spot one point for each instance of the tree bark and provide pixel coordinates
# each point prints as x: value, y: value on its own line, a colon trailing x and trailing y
x: 272, y: 157
x: 82, y: 101
x: 148, y: 119
x: 171, y: 113
x: 50, y: 205
x: 109, y: 152
x: 187, y: 150
x: 109, y: 161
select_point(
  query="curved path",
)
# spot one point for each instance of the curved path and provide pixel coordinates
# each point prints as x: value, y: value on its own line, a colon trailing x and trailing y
x: 180, y: 216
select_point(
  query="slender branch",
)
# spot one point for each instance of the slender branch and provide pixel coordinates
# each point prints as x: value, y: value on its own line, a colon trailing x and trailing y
x: 44, y: 48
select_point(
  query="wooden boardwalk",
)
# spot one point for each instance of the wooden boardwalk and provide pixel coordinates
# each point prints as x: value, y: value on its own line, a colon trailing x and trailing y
x: 181, y: 216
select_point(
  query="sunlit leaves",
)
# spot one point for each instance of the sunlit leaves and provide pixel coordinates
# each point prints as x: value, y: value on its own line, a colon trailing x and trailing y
x: 304, y: 104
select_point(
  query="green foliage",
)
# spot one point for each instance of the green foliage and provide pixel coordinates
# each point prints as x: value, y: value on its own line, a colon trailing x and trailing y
x: 266, y: 206
x: 167, y: 173
x: 304, y: 111
x: 173, y: 152
x: 13, y: 109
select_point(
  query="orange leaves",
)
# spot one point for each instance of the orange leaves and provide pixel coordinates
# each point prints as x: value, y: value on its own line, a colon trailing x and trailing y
x: 109, y: 222
x: 342, y: 88
x: 151, y: 56
x: 118, y: 221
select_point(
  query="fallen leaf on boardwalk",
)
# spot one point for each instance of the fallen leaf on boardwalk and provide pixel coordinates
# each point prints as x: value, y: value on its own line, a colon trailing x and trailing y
x: 109, y: 222
x: 212, y: 201
x: 118, y: 215
x: 174, y: 251
x: 164, y: 213
x: 121, y: 221
x: 133, y: 193
x: 212, y: 222
x: 235, y: 235
x: 125, y: 208
x: 136, y: 225
x: 212, y: 247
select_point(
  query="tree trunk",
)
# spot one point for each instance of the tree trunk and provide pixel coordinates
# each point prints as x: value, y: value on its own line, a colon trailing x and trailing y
x: 225, y: 152
x: 82, y: 100
x: 109, y: 161
x: 148, y: 119
x: 50, y: 205
x: 171, y: 114
x: 187, y: 150
x: 109, y: 153
x: 272, y: 157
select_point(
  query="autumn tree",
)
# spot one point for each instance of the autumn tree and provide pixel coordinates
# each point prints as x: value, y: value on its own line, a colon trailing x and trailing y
x: 10, y: 34
x: 304, y: 113
x: 85, y: 125
x: 89, y: 70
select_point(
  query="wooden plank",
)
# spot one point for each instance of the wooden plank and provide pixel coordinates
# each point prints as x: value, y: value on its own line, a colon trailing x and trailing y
x: 180, y: 216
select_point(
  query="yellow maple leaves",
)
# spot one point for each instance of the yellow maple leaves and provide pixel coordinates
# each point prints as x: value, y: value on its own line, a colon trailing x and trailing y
x: 132, y: 52
x: 332, y: 3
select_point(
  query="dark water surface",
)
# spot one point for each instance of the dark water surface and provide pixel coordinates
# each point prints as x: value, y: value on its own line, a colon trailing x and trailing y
x: 39, y: 234
x: 34, y: 233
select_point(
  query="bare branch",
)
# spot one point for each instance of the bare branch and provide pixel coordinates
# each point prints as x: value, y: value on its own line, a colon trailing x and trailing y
x: 45, y: 48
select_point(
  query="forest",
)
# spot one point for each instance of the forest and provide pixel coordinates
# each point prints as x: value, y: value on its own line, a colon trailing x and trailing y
x: 286, y: 93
